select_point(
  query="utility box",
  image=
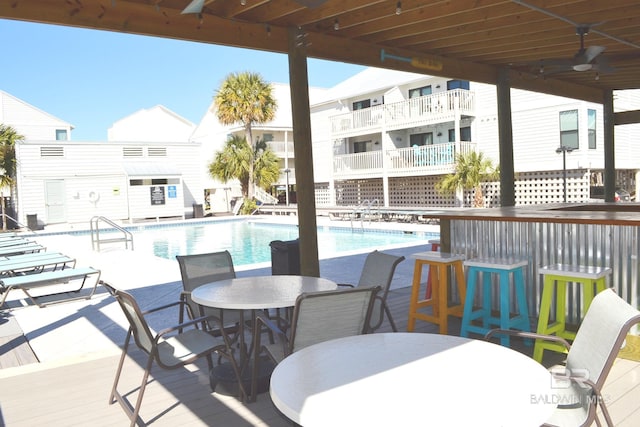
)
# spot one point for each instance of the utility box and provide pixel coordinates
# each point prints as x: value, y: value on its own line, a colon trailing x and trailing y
x: 32, y: 221
x: 285, y: 257
x: 198, y: 211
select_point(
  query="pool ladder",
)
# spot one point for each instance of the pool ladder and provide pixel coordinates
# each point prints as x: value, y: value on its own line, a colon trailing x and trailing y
x: 96, y: 240
x: 365, y: 210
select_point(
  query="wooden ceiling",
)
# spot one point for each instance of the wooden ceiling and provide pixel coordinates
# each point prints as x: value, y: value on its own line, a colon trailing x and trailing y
x: 466, y: 39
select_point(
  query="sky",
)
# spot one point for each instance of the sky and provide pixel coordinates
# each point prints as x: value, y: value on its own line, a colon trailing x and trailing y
x: 92, y: 78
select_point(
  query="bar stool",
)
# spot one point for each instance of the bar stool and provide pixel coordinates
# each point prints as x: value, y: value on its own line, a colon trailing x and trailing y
x: 592, y: 280
x: 439, y: 263
x: 435, y: 246
x: 504, y: 268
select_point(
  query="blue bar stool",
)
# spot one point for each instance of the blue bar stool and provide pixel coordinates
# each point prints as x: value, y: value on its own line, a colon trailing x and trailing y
x: 503, y: 267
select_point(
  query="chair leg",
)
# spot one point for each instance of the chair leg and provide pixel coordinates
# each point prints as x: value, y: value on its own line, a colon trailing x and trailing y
x: 388, y: 311
x: 112, y: 397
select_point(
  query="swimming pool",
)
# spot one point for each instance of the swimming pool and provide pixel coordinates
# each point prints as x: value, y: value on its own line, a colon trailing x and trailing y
x: 248, y: 241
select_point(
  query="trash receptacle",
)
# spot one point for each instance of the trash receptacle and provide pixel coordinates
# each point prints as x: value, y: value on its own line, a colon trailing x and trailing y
x: 285, y: 257
x: 198, y: 212
x: 32, y: 221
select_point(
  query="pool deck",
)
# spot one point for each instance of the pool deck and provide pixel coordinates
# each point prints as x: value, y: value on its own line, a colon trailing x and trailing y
x: 57, y: 363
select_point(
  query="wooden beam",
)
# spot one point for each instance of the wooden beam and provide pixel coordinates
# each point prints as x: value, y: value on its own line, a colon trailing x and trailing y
x: 626, y: 117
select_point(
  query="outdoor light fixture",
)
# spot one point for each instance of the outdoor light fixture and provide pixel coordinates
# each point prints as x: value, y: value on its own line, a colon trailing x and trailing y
x: 564, y: 150
x: 398, y: 8
x: 336, y: 25
x: 243, y: 2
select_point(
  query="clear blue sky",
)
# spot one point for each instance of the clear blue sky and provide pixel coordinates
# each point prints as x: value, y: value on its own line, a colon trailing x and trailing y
x: 93, y: 78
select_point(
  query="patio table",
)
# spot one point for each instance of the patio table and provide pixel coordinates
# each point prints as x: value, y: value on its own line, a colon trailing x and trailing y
x: 411, y: 379
x: 254, y: 293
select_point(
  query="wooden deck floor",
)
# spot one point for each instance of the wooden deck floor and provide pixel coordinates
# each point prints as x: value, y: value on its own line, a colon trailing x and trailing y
x: 75, y: 393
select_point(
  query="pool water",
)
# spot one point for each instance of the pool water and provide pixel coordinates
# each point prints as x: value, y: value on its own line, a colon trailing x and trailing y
x: 248, y: 242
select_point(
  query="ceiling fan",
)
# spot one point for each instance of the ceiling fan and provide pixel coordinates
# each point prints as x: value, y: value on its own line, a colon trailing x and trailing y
x: 585, y: 59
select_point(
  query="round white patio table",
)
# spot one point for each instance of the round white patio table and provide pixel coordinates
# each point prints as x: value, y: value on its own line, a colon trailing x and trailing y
x: 253, y: 293
x: 258, y: 292
x: 411, y: 379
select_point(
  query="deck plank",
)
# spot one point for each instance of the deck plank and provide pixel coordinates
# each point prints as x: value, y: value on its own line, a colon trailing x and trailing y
x: 74, y: 392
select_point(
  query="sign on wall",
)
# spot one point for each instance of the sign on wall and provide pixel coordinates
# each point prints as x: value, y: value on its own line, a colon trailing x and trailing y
x: 172, y: 192
x: 157, y: 196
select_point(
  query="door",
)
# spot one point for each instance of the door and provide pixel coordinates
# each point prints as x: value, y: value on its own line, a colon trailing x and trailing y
x: 54, y: 196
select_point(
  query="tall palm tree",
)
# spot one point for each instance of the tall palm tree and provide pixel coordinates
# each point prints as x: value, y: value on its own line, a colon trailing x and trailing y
x: 472, y: 169
x: 247, y: 99
x: 234, y: 160
x: 8, y: 139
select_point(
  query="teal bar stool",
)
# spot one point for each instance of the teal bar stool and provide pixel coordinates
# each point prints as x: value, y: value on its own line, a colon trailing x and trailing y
x: 481, y: 320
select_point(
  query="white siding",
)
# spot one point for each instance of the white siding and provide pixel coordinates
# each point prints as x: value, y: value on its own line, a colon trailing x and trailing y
x: 98, y: 168
x: 28, y: 120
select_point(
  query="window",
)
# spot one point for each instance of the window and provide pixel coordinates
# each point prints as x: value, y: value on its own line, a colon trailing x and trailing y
x: 359, y: 105
x: 267, y: 137
x: 421, y: 91
x: 569, y: 129
x: 361, y: 146
x: 457, y: 84
x: 61, y: 135
x: 591, y: 119
x: 421, y: 139
x: 465, y: 134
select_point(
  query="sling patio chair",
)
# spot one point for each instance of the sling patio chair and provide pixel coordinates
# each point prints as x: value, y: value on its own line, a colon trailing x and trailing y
x: 378, y: 270
x: 198, y: 269
x: 317, y: 317
x: 171, y: 348
x: 578, y: 383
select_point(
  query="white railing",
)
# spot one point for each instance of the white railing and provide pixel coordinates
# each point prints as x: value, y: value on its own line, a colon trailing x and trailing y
x: 281, y: 147
x: 264, y: 197
x: 358, y: 163
x: 425, y: 160
x: 427, y: 109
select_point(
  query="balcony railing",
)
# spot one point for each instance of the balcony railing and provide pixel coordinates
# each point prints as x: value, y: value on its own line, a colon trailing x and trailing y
x: 436, y: 108
x: 424, y: 160
x: 281, y: 147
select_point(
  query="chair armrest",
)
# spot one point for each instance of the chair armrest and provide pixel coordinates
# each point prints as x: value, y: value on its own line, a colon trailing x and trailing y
x: 193, y: 322
x: 162, y: 307
x: 263, y: 320
x: 349, y: 285
x: 524, y: 334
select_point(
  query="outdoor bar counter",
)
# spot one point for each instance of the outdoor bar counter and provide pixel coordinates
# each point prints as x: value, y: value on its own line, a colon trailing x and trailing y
x: 599, y: 234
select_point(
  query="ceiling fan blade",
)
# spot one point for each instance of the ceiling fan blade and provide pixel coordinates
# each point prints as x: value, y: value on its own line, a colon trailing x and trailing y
x: 194, y: 7
x: 311, y: 3
x: 590, y: 53
x: 602, y: 66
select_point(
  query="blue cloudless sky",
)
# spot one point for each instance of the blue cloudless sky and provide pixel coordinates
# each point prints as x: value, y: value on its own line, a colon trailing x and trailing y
x: 92, y: 78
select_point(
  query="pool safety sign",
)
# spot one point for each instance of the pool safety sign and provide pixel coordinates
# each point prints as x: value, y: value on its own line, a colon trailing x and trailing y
x: 172, y: 192
x: 157, y: 196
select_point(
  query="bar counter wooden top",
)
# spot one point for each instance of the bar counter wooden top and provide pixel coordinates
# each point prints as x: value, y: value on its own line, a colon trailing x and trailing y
x: 593, y: 213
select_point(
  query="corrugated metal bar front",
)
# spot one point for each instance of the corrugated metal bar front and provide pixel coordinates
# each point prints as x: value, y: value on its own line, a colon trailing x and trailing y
x: 542, y: 244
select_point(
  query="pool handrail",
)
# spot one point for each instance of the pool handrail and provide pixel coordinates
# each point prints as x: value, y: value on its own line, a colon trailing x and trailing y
x: 127, y: 236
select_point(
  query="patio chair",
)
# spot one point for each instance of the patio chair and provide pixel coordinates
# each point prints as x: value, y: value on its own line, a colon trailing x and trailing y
x: 317, y: 317
x: 579, y: 382
x: 378, y: 270
x: 170, y: 348
x: 199, y: 269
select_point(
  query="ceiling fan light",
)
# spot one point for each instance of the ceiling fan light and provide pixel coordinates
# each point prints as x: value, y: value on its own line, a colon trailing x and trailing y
x: 582, y: 67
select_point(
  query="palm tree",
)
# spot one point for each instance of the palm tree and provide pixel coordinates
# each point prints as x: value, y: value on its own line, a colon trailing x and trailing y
x: 247, y: 99
x: 472, y: 169
x: 233, y: 162
x: 8, y: 139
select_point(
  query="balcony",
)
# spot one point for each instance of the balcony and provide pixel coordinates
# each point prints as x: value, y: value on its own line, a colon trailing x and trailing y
x: 437, y: 159
x: 421, y: 111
